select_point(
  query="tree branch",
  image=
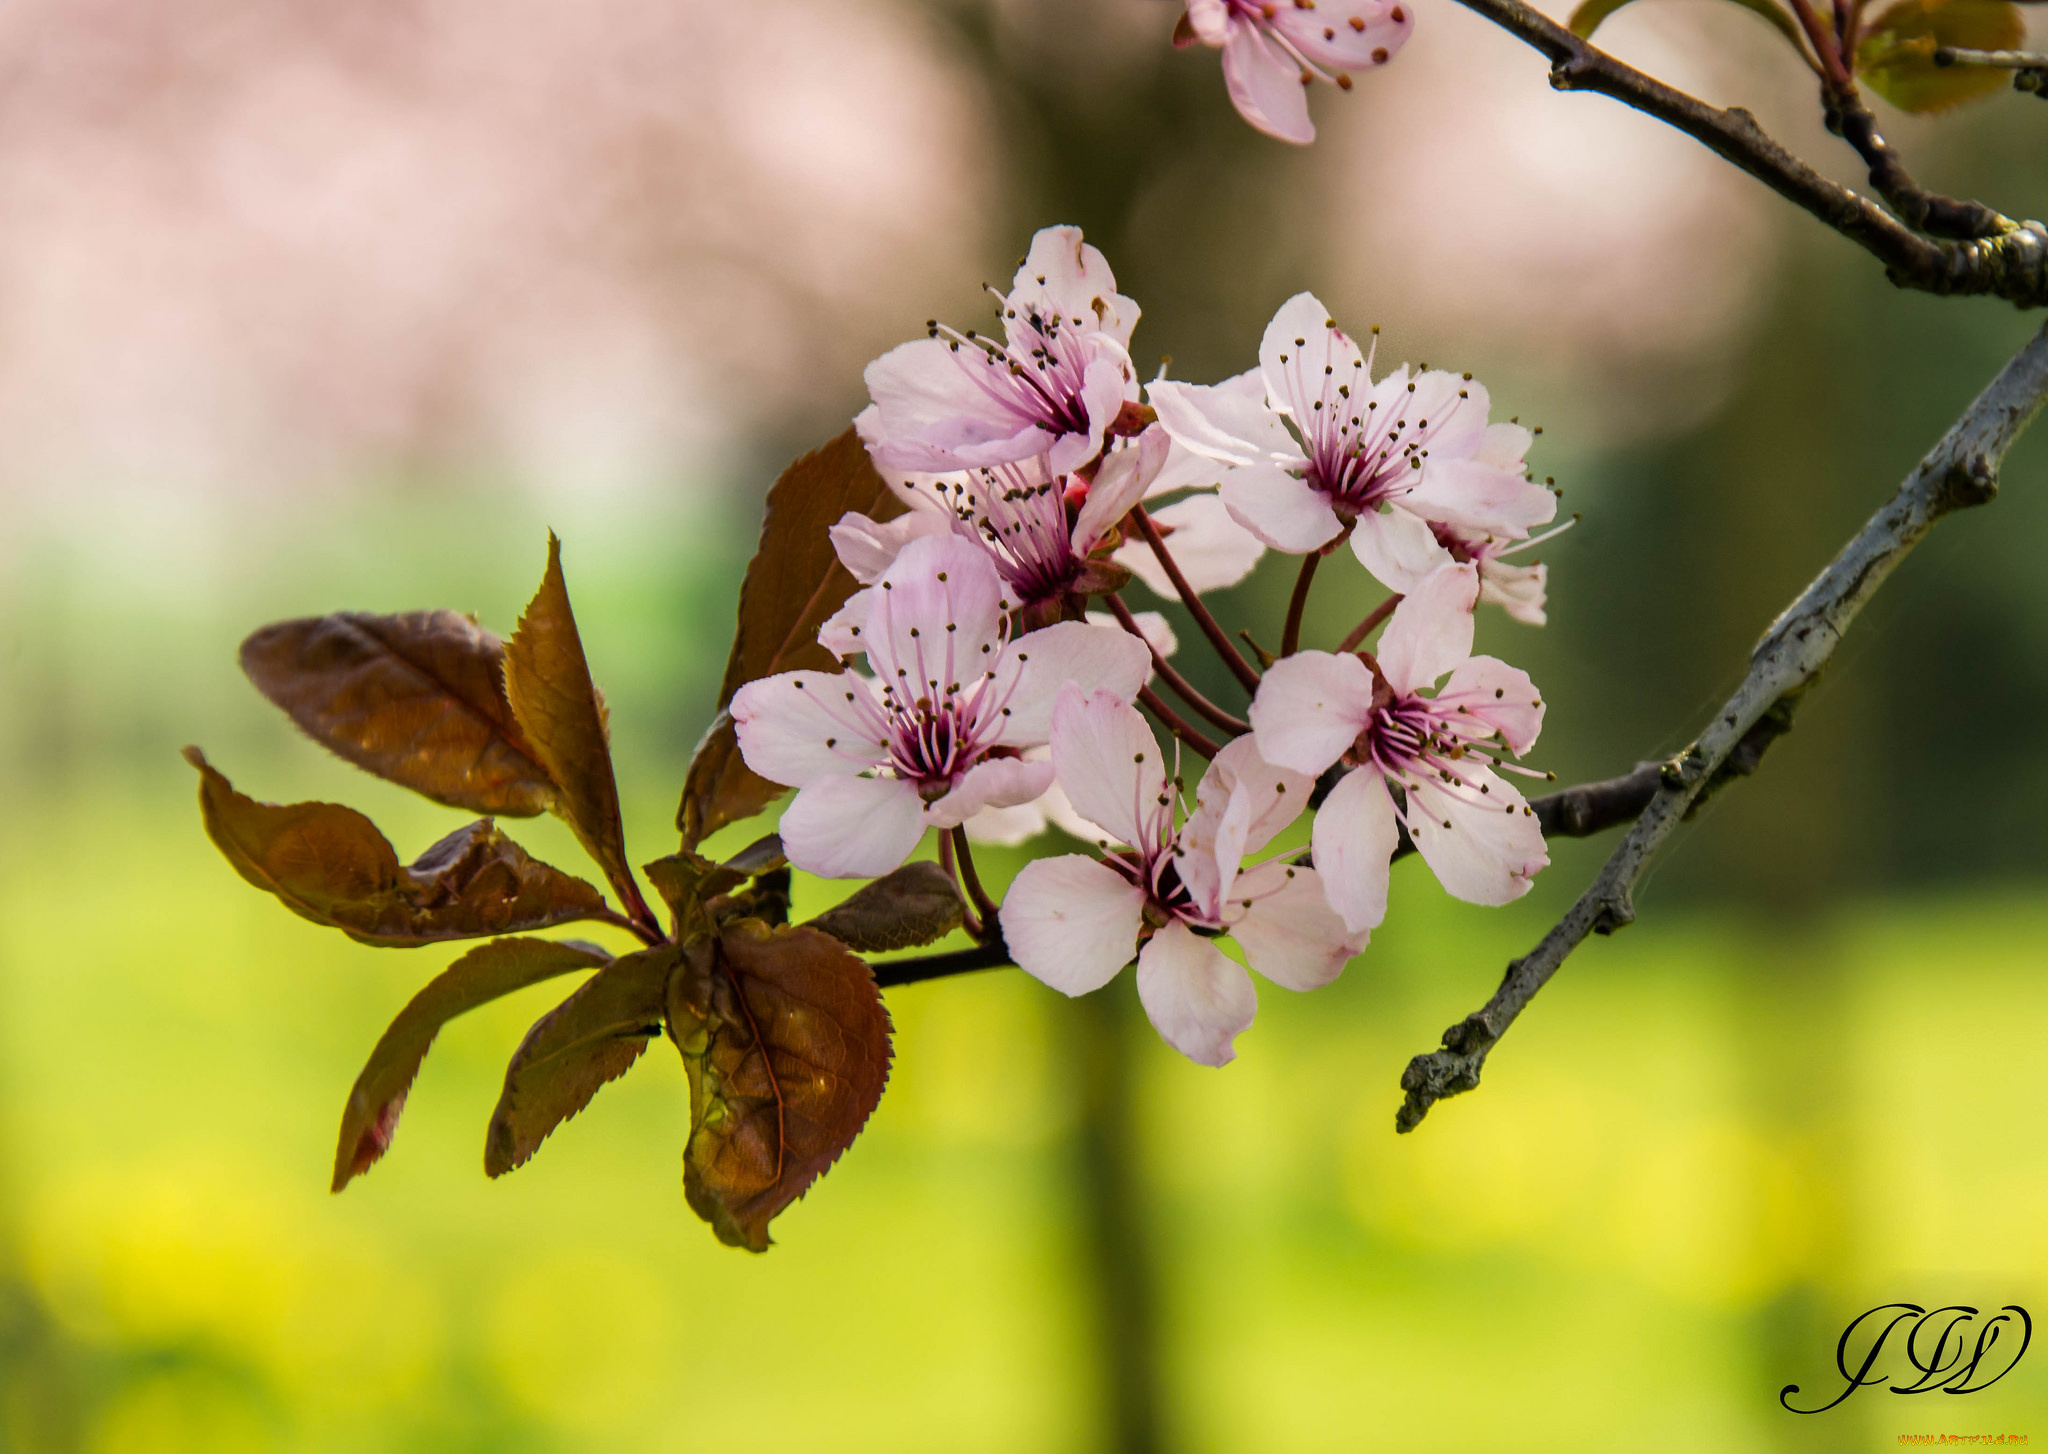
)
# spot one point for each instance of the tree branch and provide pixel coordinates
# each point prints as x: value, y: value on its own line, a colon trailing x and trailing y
x: 1960, y: 471
x: 2013, y: 264
x: 1923, y: 211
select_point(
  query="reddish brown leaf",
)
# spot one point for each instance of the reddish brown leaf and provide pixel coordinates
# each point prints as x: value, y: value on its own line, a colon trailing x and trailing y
x: 591, y: 1038
x: 787, y: 1047
x: 331, y: 865
x: 488, y: 972
x: 418, y: 699
x: 914, y: 905
x: 547, y: 681
x: 793, y: 585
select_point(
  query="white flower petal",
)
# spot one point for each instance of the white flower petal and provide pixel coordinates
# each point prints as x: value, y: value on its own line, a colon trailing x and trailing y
x: 1480, y: 498
x: 1000, y: 782
x: 1228, y: 423
x: 1063, y: 275
x: 1483, y: 848
x: 1516, y: 589
x: 1036, y: 665
x: 798, y: 727
x: 931, y: 413
x: 1310, y: 707
x: 1301, y: 343
x: 867, y: 547
x: 1008, y: 827
x: 852, y: 827
x: 843, y: 632
x: 1289, y: 933
x: 935, y: 617
x: 1356, y: 834
x: 1398, y: 547
x: 1110, y: 766
x: 1275, y: 795
x: 1199, y: 999
x: 1153, y: 629
x: 1431, y: 630
x: 1072, y: 922
x: 1282, y: 509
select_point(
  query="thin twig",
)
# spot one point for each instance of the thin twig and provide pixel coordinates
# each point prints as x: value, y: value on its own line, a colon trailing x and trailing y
x: 1373, y: 618
x: 2012, y: 265
x: 1239, y: 667
x: 1178, y: 725
x: 976, y: 894
x: 1960, y: 471
x: 1923, y: 211
x: 970, y: 916
x: 1290, y: 634
x: 2004, y: 60
x: 1182, y: 687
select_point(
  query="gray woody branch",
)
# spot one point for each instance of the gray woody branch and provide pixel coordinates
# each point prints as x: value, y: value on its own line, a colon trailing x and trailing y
x: 1960, y: 471
x: 1995, y: 255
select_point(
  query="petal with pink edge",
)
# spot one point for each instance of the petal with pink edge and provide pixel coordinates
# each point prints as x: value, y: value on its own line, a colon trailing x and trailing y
x: 1265, y: 86
x: 1431, y: 630
x: 800, y: 726
x: 1072, y: 922
x: 1212, y: 550
x: 1310, y: 707
x: 1289, y: 933
x: 852, y: 827
x: 1282, y: 509
x: 1110, y: 766
x: 1356, y: 834
x: 1032, y: 671
x: 1199, y: 999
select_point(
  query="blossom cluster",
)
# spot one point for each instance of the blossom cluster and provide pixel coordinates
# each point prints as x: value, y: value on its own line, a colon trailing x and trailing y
x: 989, y: 702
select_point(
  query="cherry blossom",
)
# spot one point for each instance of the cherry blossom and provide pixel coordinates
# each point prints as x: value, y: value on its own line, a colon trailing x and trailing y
x: 937, y: 734
x: 1045, y: 393
x: 1474, y: 830
x: 1386, y: 461
x: 1074, y: 921
x: 1273, y: 49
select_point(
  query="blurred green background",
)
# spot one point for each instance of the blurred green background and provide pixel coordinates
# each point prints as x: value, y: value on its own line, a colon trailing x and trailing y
x: 1807, y: 1082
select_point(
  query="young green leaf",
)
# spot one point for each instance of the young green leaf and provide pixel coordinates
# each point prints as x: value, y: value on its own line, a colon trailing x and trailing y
x: 914, y: 905
x: 547, y: 681
x: 1896, y: 54
x: 786, y: 1043
x: 793, y: 585
x: 488, y: 972
x: 417, y: 699
x: 329, y: 864
x: 571, y: 1052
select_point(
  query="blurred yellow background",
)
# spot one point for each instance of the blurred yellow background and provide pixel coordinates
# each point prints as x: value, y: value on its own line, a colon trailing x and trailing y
x: 309, y: 311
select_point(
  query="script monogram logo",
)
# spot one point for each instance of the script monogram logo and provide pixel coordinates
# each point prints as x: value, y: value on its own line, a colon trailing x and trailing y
x: 1937, y: 1343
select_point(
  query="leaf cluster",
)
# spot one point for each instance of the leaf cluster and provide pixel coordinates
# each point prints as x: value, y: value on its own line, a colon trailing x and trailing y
x: 781, y: 1028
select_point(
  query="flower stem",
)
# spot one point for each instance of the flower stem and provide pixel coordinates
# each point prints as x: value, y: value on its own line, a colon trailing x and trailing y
x: 1178, y: 725
x: 1183, y: 688
x: 1373, y: 618
x: 984, y: 908
x: 646, y: 934
x: 1290, y: 634
x: 1218, y: 638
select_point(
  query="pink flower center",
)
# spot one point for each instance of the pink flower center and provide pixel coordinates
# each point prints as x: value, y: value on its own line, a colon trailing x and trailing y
x: 1034, y: 377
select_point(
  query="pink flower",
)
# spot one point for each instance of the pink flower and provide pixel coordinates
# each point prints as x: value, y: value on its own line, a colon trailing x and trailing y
x: 1046, y: 393
x: 1042, y: 535
x: 1516, y: 588
x: 1273, y: 49
x: 1476, y: 833
x: 1212, y: 550
x: 936, y: 734
x: 1074, y: 921
x: 1387, y: 460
